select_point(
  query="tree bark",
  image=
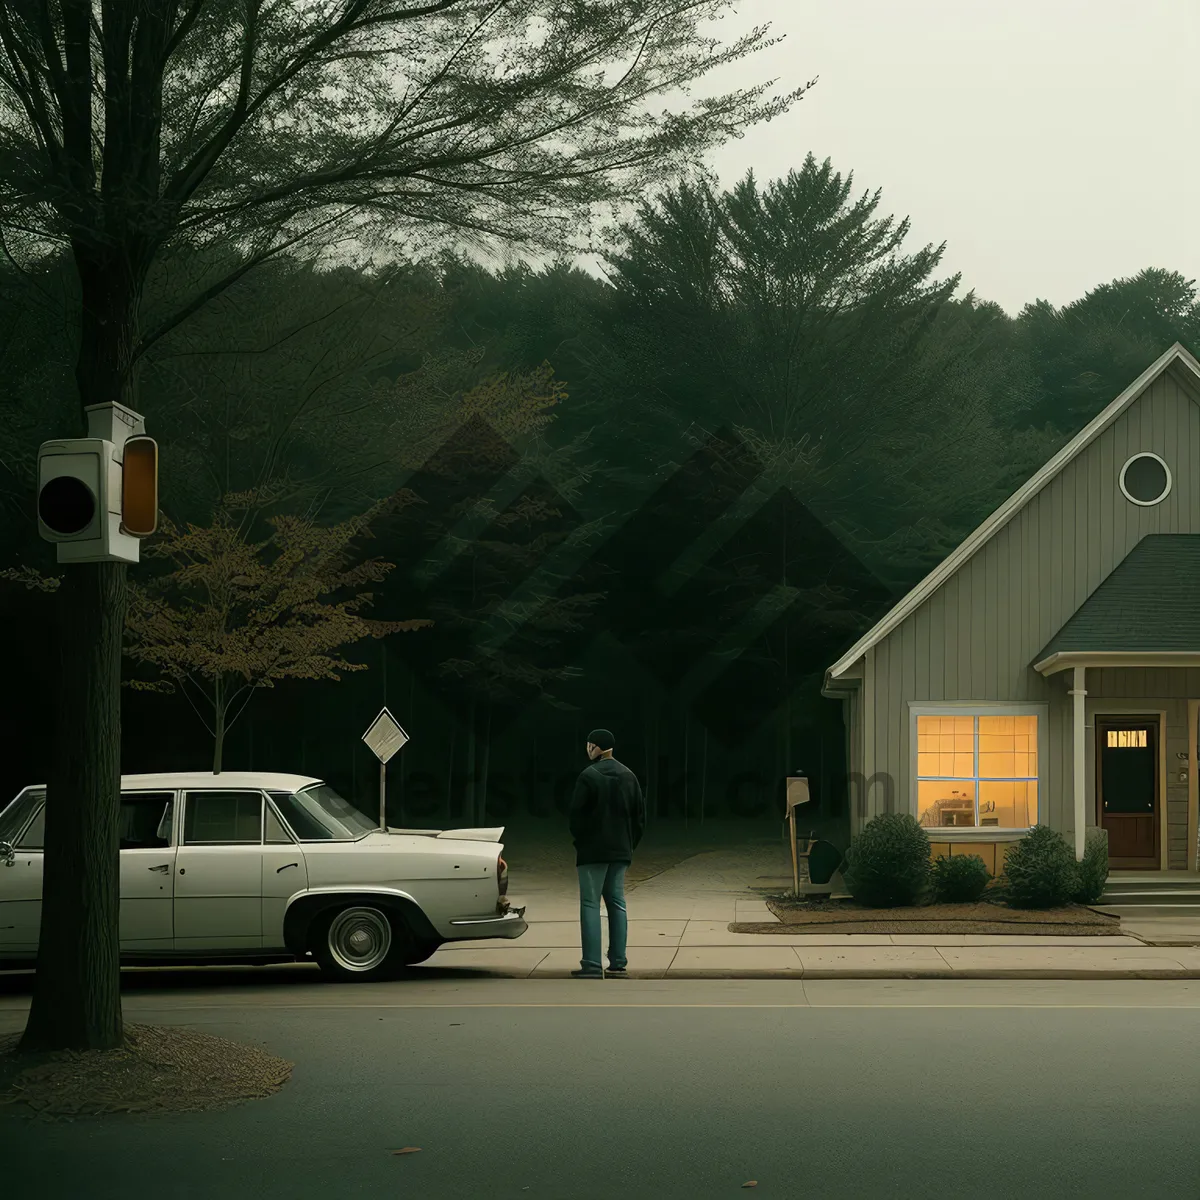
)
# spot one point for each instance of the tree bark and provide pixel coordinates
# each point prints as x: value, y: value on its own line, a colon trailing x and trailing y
x: 76, y: 1003
x: 77, y: 990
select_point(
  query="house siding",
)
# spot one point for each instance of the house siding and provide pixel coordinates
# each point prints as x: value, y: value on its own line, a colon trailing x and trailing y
x: 974, y: 638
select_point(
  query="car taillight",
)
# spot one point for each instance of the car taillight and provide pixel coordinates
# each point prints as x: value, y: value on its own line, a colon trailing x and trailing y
x: 502, y: 876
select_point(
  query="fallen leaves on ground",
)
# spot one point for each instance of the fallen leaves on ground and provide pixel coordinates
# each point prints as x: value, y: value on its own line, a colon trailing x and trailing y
x: 157, y: 1069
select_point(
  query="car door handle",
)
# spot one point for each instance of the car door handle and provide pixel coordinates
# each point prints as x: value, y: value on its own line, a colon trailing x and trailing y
x: 285, y: 867
x: 162, y: 868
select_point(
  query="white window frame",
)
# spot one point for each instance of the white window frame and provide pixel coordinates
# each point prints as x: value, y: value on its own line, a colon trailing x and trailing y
x: 1129, y: 462
x: 966, y: 708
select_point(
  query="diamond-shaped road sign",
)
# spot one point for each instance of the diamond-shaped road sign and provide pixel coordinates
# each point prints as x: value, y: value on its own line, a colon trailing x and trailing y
x: 385, y: 736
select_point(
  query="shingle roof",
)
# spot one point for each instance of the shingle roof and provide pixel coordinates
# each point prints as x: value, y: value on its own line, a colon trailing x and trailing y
x: 1150, y: 602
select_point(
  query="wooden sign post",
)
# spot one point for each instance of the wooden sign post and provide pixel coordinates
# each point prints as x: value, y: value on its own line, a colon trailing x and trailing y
x: 797, y: 793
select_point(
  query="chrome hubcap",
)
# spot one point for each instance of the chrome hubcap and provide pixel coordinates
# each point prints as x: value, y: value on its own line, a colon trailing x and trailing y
x: 359, y: 939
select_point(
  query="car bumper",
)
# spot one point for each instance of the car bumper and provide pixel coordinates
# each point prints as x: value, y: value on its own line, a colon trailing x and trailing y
x: 509, y: 924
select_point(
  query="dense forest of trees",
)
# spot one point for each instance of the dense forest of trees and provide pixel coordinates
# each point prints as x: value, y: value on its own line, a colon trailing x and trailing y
x: 661, y: 501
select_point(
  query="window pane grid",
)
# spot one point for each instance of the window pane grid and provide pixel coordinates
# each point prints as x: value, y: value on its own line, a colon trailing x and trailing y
x: 978, y: 753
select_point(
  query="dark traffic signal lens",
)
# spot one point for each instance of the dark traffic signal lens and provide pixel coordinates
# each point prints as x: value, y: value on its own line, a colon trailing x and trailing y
x: 66, y: 504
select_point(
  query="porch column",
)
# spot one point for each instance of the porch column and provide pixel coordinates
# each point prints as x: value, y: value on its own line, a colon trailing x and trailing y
x: 1080, y: 746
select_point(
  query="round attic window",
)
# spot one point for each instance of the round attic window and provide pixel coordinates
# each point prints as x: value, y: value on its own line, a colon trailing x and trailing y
x: 1145, y: 479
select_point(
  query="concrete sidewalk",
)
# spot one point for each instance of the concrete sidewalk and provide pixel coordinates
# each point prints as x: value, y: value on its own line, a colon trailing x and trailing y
x: 678, y: 929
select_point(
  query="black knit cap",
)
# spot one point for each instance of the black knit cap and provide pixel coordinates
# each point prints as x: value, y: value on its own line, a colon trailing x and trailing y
x: 601, y: 738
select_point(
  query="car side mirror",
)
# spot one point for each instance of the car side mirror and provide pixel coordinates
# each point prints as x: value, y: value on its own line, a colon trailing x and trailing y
x: 7, y: 853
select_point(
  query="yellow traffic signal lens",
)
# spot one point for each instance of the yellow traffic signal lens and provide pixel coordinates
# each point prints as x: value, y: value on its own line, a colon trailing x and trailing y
x: 139, y: 487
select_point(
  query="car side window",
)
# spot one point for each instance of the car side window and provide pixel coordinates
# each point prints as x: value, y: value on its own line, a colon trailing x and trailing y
x: 274, y: 833
x: 34, y: 838
x: 223, y: 818
x: 144, y: 820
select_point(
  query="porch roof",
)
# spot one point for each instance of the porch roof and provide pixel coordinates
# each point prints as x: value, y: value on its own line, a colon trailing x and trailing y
x: 1149, y: 606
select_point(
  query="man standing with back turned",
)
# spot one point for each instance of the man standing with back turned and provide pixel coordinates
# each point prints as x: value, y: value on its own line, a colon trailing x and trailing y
x: 608, y: 818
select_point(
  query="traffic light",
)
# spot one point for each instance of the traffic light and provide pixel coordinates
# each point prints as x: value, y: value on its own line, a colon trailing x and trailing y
x: 139, y: 487
x: 97, y: 495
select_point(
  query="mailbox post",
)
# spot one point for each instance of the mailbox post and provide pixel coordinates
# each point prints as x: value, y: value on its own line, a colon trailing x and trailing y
x: 797, y: 794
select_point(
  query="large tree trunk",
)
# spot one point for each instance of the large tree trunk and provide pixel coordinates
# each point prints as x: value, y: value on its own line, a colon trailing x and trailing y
x: 77, y: 991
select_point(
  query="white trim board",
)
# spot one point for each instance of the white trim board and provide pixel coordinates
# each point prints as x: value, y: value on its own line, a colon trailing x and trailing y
x: 1193, y: 835
x: 1175, y: 356
x: 1063, y: 660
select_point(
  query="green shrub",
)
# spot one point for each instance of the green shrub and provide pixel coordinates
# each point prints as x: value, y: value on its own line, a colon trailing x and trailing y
x: 1040, y: 871
x: 1092, y: 873
x: 959, y: 879
x: 887, y: 865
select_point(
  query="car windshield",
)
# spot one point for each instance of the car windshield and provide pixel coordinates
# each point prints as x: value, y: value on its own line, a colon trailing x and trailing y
x: 319, y: 814
x: 16, y: 814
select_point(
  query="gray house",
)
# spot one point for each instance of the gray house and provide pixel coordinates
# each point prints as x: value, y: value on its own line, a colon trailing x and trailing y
x: 1048, y: 671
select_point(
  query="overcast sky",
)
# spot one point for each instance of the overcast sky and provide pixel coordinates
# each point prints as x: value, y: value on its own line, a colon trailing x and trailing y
x: 1052, y: 144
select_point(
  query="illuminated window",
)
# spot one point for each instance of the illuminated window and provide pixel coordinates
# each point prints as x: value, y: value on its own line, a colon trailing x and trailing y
x: 1120, y: 739
x: 977, y: 771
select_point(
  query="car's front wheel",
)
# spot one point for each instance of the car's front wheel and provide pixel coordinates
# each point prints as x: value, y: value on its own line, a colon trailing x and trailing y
x: 360, y: 944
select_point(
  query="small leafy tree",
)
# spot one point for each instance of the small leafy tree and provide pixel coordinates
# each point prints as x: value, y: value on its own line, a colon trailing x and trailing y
x: 235, y: 615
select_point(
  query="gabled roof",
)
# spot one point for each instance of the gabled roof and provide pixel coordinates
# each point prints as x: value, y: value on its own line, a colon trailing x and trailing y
x: 1150, y: 602
x: 1177, y: 357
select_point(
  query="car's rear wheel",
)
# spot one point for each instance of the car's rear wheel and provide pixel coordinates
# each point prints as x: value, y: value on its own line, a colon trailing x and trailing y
x: 360, y: 943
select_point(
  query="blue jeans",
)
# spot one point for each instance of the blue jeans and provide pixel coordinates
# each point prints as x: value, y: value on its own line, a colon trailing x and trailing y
x: 607, y: 880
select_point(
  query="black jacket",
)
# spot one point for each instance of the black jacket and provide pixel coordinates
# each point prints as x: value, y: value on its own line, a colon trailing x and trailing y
x: 608, y: 813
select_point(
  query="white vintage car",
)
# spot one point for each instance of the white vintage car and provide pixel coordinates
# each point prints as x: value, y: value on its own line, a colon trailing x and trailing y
x: 268, y: 868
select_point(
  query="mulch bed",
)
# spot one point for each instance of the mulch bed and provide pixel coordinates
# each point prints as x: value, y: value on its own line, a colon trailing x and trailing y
x: 844, y: 916
x: 159, y: 1070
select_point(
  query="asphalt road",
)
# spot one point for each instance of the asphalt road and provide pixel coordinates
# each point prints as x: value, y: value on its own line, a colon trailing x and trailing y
x: 570, y: 1089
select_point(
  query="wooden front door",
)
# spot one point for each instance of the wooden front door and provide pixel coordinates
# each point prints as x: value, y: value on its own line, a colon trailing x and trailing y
x: 1127, y: 790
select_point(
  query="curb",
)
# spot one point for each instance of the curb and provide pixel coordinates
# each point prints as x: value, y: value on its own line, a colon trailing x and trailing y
x: 880, y: 973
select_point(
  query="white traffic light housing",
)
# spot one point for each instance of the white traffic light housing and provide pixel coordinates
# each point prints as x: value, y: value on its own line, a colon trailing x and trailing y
x: 86, y: 505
